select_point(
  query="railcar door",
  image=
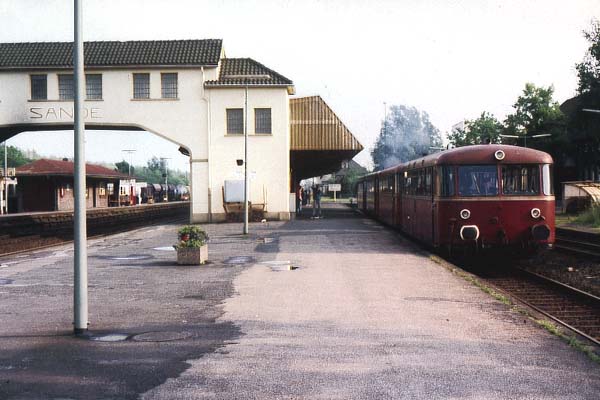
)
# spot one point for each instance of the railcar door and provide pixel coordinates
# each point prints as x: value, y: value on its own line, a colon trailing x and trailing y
x: 408, y: 203
x: 376, y: 195
x: 398, y: 199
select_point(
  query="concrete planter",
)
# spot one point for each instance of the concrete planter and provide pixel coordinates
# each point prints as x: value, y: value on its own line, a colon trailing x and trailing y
x: 192, y: 255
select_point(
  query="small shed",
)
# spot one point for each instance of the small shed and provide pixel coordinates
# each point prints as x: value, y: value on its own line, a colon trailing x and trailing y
x: 578, y: 195
x: 47, y: 185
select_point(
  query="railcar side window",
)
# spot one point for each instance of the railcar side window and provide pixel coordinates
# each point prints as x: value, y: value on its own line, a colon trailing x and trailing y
x: 447, y: 175
x: 478, y: 180
x: 547, y: 180
x: 520, y: 179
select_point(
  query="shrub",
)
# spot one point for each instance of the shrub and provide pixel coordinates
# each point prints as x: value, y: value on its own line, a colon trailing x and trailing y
x: 591, y: 216
x: 191, y: 236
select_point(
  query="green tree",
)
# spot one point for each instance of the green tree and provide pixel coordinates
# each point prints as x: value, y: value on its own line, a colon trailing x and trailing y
x: 536, y: 113
x: 485, y: 129
x: 406, y: 134
x: 154, y: 170
x: 588, y: 70
x: 16, y: 157
x: 582, y: 125
x: 123, y: 167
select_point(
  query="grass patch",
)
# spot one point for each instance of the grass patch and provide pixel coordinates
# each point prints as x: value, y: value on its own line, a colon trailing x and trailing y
x: 548, y: 325
x: 589, y: 217
x: 570, y: 340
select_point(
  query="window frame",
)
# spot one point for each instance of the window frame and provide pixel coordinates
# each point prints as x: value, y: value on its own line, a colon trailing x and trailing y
x: 173, y: 94
x: 229, y: 129
x: 31, y: 86
x: 88, y: 87
x: 63, y: 92
x: 263, y: 129
x: 491, y: 167
x: 137, y: 94
x: 536, y: 178
x: 448, y: 180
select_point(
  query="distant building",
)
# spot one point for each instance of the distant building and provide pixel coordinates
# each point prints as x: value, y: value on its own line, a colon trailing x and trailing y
x: 344, y: 176
x: 47, y: 185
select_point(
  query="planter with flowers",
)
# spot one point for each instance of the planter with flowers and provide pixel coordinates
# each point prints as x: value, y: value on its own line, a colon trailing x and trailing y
x: 192, y: 248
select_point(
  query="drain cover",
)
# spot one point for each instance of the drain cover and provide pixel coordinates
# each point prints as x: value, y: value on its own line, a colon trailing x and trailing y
x: 110, y: 337
x: 239, y: 260
x: 4, y: 281
x: 165, y: 248
x: 161, y: 336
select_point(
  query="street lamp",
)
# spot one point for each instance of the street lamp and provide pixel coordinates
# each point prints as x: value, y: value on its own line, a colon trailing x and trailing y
x: 130, y: 152
x: 166, y: 175
x: 245, y: 78
x: 5, y: 179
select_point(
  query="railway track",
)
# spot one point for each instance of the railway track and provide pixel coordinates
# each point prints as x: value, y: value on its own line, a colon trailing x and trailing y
x: 19, y: 244
x: 578, y: 243
x: 568, y: 306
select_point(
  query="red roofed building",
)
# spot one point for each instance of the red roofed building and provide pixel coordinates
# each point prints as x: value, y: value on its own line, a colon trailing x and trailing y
x: 47, y: 185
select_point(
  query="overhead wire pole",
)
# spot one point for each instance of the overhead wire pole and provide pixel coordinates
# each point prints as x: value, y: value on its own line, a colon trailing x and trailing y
x: 246, y: 196
x: 80, y: 243
x: 5, y: 178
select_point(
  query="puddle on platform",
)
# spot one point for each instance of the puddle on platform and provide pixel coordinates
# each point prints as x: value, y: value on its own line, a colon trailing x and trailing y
x: 161, y: 336
x: 164, y: 248
x: 239, y: 260
x: 280, y: 265
x: 110, y: 337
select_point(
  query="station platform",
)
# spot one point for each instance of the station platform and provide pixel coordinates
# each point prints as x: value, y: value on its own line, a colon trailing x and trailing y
x: 333, y: 308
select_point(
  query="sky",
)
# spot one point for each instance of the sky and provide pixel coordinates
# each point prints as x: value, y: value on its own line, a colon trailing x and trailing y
x: 452, y: 59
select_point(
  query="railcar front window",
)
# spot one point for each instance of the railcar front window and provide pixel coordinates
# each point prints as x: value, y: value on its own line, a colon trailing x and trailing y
x: 547, y: 180
x: 478, y: 180
x: 520, y: 180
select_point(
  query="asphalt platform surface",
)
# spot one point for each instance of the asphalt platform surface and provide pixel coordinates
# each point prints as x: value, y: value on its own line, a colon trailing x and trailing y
x: 334, y: 308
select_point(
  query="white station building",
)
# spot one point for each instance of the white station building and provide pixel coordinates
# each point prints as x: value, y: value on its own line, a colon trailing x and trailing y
x: 186, y: 91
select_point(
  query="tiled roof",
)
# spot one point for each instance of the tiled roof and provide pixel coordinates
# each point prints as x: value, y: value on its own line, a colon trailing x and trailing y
x: 65, y: 168
x: 111, y: 54
x: 246, y: 71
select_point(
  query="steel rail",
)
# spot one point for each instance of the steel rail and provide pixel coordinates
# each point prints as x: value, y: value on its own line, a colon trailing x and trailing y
x: 550, y: 282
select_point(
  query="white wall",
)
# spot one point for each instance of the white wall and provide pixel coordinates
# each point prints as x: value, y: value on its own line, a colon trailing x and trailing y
x: 268, y: 155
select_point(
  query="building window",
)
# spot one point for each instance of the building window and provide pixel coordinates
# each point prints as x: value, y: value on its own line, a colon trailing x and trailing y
x: 262, y: 120
x: 235, y: 120
x: 168, y: 86
x: 141, y: 86
x: 39, y: 87
x: 66, y: 90
x: 93, y: 86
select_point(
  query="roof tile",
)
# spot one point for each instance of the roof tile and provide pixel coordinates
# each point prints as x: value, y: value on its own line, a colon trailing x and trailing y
x: 246, y: 71
x: 65, y: 168
x: 111, y: 54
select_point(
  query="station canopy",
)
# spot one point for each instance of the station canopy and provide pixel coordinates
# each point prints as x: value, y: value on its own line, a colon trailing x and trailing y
x: 319, y: 139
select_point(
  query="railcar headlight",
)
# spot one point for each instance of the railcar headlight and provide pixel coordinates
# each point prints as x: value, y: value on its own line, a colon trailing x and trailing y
x: 465, y: 214
x: 499, y: 154
x: 535, y: 213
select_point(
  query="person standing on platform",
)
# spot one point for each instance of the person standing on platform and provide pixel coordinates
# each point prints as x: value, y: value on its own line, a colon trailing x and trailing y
x: 317, y: 202
x: 299, y: 193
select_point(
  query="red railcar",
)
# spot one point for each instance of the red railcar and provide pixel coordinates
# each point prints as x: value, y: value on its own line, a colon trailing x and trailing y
x: 474, y: 196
